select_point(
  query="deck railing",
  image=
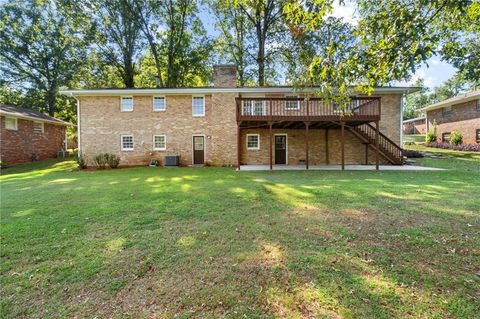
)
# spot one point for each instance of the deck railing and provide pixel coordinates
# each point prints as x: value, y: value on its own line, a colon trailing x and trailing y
x: 301, y: 109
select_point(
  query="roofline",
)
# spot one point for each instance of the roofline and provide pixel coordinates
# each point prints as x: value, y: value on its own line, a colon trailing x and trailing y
x: 415, y: 119
x: 36, y: 119
x: 465, y: 97
x: 210, y: 90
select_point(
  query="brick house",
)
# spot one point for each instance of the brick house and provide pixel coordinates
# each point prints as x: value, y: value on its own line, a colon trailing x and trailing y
x: 27, y: 134
x: 460, y: 113
x: 417, y: 125
x: 229, y: 125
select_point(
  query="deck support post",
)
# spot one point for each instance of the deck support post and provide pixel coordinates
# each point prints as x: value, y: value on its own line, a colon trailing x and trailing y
x: 239, y: 146
x: 377, y: 155
x: 327, y: 157
x: 307, y: 124
x: 366, y: 153
x: 343, y: 145
x: 271, y: 144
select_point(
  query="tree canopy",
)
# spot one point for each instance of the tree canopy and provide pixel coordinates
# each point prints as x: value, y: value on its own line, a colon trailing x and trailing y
x: 47, y: 45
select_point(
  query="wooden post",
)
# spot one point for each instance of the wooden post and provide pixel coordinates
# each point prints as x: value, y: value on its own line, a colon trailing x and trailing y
x: 326, y: 148
x: 271, y: 145
x: 343, y: 145
x: 306, y: 145
x: 377, y: 155
x: 239, y: 146
x: 366, y: 153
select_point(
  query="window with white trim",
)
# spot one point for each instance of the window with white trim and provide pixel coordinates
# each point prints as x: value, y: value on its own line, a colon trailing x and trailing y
x: 159, y: 142
x: 159, y: 103
x: 253, y: 141
x: 38, y: 127
x: 126, y: 104
x: 198, y: 106
x: 292, y: 105
x: 254, y: 107
x: 127, y: 142
x: 11, y: 123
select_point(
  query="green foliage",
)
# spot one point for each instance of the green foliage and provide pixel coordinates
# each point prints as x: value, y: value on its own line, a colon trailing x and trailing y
x: 431, y: 135
x: 3, y: 164
x: 100, y: 160
x: 82, y: 161
x: 456, y: 138
x: 41, y: 46
x: 113, y: 160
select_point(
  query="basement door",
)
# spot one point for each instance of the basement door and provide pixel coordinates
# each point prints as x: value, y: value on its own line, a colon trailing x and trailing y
x: 280, y: 149
x: 198, y: 150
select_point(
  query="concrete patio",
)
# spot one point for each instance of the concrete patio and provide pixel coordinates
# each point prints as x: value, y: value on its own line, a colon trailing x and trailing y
x: 339, y: 167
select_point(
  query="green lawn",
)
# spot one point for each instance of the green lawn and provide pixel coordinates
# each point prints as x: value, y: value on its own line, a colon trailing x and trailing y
x: 215, y: 243
x: 416, y: 138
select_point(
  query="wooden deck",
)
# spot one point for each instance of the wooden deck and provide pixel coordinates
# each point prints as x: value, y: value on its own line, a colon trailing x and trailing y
x: 317, y: 113
x: 359, y: 109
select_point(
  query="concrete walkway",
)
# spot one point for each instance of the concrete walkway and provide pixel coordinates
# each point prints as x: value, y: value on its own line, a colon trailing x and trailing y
x: 339, y: 167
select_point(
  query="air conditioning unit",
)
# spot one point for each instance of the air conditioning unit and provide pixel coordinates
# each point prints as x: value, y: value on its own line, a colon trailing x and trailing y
x: 172, y: 160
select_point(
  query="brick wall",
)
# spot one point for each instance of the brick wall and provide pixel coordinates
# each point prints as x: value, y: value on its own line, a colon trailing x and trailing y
x: 354, y: 149
x: 18, y: 146
x: 416, y: 127
x: 464, y: 118
x: 102, y: 125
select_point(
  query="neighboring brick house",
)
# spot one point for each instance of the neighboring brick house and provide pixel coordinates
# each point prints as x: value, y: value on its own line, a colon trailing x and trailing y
x: 229, y: 125
x: 417, y: 125
x: 460, y: 113
x: 27, y: 134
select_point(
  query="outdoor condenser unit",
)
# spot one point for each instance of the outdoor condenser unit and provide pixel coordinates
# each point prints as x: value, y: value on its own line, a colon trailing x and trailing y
x: 172, y: 160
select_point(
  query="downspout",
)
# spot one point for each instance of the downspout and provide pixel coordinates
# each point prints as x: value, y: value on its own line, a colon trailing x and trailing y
x: 78, y: 125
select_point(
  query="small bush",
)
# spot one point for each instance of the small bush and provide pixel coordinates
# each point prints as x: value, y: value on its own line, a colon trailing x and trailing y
x: 113, y: 160
x: 100, y: 161
x: 456, y: 138
x: 82, y: 161
x: 461, y: 147
x: 431, y: 135
x: 412, y: 154
x: 3, y: 164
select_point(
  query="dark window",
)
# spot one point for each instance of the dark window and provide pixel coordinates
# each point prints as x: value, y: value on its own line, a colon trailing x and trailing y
x: 446, y: 137
x: 478, y: 135
x: 478, y: 105
x: 447, y: 110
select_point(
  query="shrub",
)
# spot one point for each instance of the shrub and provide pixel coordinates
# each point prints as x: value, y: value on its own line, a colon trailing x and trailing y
x: 412, y: 154
x: 100, y: 161
x: 82, y: 161
x: 3, y: 164
x: 456, y: 138
x: 431, y: 135
x: 461, y: 147
x: 113, y: 160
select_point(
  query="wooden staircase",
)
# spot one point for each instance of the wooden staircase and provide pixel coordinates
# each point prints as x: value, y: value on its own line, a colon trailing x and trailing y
x: 387, y: 148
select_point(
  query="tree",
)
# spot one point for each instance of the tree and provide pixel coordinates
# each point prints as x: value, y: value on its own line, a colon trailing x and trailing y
x: 416, y: 100
x: 186, y: 46
x: 233, y: 41
x: 266, y: 17
x: 41, y: 48
x: 395, y: 38
x: 118, y: 36
x: 463, y: 50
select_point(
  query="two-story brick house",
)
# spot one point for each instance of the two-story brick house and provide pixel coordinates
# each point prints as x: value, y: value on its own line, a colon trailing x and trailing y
x: 460, y: 113
x: 230, y: 125
x: 27, y: 134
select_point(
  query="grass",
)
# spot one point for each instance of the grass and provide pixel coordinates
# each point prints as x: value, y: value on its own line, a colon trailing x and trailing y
x: 415, y: 138
x: 215, y: 243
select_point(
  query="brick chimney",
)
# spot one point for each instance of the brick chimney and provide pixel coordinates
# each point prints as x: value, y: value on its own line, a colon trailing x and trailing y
x: 225, y: 75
